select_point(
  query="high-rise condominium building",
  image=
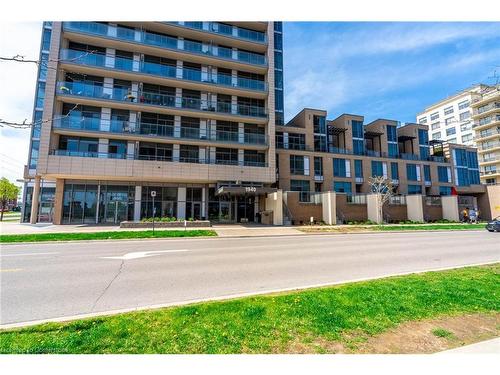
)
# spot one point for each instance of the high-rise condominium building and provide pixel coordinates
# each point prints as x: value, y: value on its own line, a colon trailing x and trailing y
x: 450, y: 119
x: 486, y: 116
x: 186, y: 110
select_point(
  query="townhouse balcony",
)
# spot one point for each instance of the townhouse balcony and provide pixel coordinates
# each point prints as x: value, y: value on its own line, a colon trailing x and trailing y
x: 148, y: 130
x: 98, y: 60
x: 164, y: 41
x: 171, y: 159
x: 225, y: 30
x: 126, y: 95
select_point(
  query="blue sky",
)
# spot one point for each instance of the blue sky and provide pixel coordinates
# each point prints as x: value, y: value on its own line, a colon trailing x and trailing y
x: 384, y: 70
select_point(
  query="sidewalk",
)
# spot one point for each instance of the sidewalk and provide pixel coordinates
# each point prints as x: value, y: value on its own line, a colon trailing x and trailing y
x: 223, y: 230
x: 483, y: 347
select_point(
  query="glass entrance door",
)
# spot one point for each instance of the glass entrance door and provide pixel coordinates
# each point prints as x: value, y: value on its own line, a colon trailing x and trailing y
x: 245, y: 209
x: 116, y: 212
x: 46, y: 214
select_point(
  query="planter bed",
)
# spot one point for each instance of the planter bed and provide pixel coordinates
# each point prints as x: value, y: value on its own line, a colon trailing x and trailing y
x: 165, y: 224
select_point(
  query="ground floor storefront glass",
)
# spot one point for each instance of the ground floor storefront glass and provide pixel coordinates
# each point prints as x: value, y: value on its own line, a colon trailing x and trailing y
x: 46, y: 204
x: 230, y: 208
x: 94, y: 203
x: 165, y: 201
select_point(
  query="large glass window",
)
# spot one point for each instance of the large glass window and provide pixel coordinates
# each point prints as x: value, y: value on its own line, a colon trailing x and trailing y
x: 411, y: 172
x: 377, y: 168
x: 339, y: 167
x: 319, y: 124
x: 320, y: 143
x: 297, y: 164
x: 414, y: 189
x: 300, y: 185
x: 391, y: 133
x: 342, y: 187
x: 165, y: 201
x: 296, y: 141
x: 427, y: 173
x: 318, y: 166
x: 357, y: 129
x: 35, y: 146
x: 443, y: 174
x: 393, y: 149
x: 46, y: 40
x: 394, y: 171
x: 358, y: 168
x: 358, y: 146
x: 40, y: 95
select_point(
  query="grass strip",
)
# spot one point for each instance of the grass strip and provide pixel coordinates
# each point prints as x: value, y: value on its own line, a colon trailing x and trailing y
x: 112, y: 235
x: 274, y: 323
x: 429, y: 227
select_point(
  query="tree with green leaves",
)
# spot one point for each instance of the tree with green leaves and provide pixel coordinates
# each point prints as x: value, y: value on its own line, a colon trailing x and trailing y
x: 8, y: 191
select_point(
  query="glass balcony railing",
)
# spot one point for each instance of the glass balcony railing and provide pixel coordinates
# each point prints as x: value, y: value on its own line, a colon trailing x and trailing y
x: 163, y: 41
x: 78, y: 123
x: 120, y: 63
x: 223, y: 160
x: 94, y: 90
x: 88, y: 123
x: 227, y: 30
x: 158, y: 130
x: 99, y: 91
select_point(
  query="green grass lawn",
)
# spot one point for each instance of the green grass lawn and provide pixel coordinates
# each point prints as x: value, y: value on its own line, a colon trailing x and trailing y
x: 390, y: 227
x: 270, y: 324
x: 116, y: 235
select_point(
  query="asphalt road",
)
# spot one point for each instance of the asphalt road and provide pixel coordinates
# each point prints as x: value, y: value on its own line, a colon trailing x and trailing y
x: 52, y: 280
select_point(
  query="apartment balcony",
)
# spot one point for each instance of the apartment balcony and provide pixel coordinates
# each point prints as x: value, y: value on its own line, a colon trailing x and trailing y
x: 486, y: 122
x: 319, y: 178
x: 484, y: 110
x: 225, y: 30
x: 163, y: 133
x: 407, y: 156
x: 127, y: 99
x: 489, y: 147
x: 151, y: 71
x: 170, y: 159
x: 486, y: 134
x: 165, y: 42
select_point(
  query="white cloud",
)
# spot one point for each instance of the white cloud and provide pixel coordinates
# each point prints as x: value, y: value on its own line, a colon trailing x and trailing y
x: 16, y: 97
x: 338, y: 69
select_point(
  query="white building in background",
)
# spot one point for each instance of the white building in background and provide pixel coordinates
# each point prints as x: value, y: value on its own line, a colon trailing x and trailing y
x: 450, y: 119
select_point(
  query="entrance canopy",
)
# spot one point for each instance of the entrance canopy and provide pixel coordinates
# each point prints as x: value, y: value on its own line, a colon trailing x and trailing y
x: 245, y: 190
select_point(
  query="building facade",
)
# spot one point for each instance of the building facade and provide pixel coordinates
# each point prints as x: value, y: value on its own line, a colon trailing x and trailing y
x: 184, y: 109
x: 315, y: 155
x: 450, y: 120
x: 486, y: 117
x: 186, y: 120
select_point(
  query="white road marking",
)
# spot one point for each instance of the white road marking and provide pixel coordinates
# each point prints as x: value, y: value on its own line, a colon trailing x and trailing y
x: 24, y: 254
x: 143, y: 254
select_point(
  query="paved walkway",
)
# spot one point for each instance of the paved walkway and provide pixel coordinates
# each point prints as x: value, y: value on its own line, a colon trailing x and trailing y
x: 226, y: 230
x: 483, y: 347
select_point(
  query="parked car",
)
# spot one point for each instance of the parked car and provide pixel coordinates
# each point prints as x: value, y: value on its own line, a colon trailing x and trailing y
x: 494, y: 225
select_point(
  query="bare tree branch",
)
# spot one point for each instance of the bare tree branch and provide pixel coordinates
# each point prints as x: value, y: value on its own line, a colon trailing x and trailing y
x: 25, y: 125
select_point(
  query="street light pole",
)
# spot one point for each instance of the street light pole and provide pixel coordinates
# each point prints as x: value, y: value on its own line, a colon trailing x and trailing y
x: 153, y: 195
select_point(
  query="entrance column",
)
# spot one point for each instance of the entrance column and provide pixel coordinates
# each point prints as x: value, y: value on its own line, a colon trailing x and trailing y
x: 35, y: 201
x: 415, y: 207
x: 373, y: 208
x: 181, y: 203
x: 137, y: 203
x: 58, y: 201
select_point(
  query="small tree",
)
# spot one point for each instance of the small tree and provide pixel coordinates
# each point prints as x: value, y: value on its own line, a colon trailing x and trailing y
x: 8, y: 191
x: 384, y: 189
